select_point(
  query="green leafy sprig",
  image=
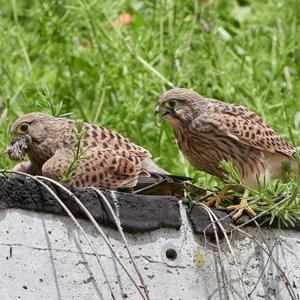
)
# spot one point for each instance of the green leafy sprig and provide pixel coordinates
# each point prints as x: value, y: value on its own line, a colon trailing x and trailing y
x: 279, y: 200
x: 78, y: 154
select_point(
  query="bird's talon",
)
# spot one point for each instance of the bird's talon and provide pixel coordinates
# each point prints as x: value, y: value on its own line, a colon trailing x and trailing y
x: 217, y: 201
x: 243, y: 206
x: 238, y: 214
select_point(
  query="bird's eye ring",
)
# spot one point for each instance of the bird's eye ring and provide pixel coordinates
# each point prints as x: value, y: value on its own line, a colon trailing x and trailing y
x: 24, y: 127
x: 171, y: 103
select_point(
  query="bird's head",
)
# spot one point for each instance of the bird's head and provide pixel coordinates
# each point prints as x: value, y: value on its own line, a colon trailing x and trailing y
x: 176, y: 105
x: 27, y: 130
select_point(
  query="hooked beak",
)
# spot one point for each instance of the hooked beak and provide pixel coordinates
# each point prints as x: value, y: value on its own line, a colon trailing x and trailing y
x: 163, y: 112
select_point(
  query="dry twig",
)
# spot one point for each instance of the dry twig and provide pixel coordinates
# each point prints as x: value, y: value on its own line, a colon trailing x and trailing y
x: 282, y: 273
x: 230, y: 249
x: 98, y: 228
x: 119, y: 227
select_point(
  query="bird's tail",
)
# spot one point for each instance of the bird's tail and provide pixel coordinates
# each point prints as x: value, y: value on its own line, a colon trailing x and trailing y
x: 161, y: 184
x: 154, y: 180
x: 150, y: 166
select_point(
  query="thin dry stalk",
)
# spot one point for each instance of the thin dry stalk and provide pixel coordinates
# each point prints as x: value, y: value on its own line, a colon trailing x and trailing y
x: 98, y: 228
x: 226, y: 293
x: 230, y: 249
x: 268, y: 248
x: 263, y: 271
x: 208, y: 210
x: 120, y: 229
x: 72, y: 218
x: 284, y: 277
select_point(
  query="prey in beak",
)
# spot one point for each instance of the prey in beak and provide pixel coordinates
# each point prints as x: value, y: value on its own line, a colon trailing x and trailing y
x: 18, y: 148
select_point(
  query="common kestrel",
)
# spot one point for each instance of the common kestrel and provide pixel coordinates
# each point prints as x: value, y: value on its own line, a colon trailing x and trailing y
x: 108, y: 159
x: 209, y: 131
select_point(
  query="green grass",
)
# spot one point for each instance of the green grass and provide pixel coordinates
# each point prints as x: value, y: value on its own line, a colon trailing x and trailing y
x: 244, y: 52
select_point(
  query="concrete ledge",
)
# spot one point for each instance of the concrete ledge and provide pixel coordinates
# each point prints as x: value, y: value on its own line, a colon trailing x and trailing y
x: 43, y: 256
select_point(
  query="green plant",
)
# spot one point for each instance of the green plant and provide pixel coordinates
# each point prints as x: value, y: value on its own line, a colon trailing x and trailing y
x: 77, y: 154
x: 279, y: 201
x: 52, y: 105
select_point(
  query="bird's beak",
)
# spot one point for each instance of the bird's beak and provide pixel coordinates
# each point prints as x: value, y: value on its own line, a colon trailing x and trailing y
x: 164, y: 112
x: 157, y: 110
x: 161, y: 111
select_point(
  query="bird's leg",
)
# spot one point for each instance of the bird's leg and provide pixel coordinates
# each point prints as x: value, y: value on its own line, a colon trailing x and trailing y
x: 218, y: 199
x: 243, y: 206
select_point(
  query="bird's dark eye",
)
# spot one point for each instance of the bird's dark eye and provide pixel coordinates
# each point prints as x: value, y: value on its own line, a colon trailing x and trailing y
x: 171, y: 103
x: 24, y: 127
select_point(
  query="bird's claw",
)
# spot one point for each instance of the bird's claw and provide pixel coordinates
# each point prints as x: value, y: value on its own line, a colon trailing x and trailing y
x: 217, y: 201
x: 243, y: 206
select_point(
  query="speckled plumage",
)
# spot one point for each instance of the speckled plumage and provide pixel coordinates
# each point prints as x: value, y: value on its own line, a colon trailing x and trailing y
x: 209, y: 131
x: 109, y: 159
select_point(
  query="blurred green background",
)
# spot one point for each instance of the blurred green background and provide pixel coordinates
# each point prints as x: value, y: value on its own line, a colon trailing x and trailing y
x: 108, y: 61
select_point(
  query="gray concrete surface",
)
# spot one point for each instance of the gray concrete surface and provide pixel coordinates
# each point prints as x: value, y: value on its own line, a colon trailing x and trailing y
x: 43, y: 256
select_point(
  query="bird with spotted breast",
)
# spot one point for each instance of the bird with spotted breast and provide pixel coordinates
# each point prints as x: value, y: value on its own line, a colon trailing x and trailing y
x: 108, y: 159
x: 209, y: 131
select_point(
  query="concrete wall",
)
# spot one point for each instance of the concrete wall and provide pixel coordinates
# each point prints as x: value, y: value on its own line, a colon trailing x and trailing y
x: 43, y: 256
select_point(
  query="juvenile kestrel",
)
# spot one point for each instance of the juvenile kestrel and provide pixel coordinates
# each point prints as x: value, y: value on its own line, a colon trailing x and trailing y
x: 108, y: 159
x: 209, y: 131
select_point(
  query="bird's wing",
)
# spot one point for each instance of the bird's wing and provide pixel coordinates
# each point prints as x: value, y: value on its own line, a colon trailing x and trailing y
x: 97, y: 167
x: 239, y: 123
x: 96, y: 136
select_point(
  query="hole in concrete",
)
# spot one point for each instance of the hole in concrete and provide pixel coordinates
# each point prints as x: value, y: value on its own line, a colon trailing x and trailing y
x: 171, y: 254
